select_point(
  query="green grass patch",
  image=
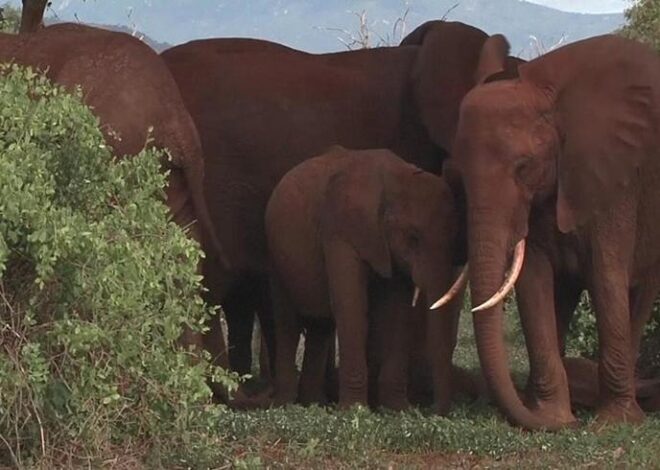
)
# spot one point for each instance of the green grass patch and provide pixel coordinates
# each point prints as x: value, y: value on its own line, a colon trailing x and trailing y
x: 474, y: 434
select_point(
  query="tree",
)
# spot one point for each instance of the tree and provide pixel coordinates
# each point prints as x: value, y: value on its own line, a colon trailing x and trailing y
x: 643, y: 22
x: 32, y: 16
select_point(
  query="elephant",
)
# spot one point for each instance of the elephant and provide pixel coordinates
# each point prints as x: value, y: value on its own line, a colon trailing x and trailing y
x: 262, y: 108
x: 348, y: 231
x: 560, y: 167
x: 130, y: 90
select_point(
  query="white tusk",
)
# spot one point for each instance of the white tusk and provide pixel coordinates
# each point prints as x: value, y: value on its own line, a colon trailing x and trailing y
x: 459, y: 283
x: 415, y: 297
x: 510, y: 281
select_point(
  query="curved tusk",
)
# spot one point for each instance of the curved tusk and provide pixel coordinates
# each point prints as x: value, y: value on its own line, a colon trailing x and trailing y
x: 415, y: 297
x: 456, y: 287
x: 510, y: 281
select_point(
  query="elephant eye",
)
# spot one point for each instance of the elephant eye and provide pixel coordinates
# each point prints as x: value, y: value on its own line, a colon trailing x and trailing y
x: 525, y: 170
x: 413, y: 240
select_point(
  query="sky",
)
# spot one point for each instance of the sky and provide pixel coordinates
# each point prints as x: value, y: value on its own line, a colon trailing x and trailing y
x: 586, y: 6
x: 316, y: 25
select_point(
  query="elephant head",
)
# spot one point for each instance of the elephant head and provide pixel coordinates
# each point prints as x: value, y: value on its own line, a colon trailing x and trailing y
x: 399, y: 219
x: 568, y: 134
x: 444, y: 72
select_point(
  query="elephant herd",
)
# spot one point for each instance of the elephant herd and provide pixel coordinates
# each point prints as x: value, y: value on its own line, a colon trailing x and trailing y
x: 353, y: 195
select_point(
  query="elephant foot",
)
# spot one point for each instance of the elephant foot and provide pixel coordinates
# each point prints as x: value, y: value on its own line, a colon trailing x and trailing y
x: 441, y: 406
x: 317, y: 397
x: 393, y: 396
x: 346, y: 403
x: 618, y: 412
x: 284, y: 397
x: 582, y: 375
x: 556, y: 411
x: 241, y: 400
x: 394, y: 403
x: 469, y: 384
x: 560, y: 415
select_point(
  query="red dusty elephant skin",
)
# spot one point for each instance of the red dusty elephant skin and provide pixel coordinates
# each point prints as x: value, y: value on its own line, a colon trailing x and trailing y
x: 561, y: 167
x: 338, y: 226
x: 262, y: 108
x: 129, y: 89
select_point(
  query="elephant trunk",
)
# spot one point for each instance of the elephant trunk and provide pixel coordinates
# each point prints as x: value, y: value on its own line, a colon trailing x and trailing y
x: 488, y: 257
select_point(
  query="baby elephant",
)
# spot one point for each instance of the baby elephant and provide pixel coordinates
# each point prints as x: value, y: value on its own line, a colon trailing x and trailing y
x: 348, y: 232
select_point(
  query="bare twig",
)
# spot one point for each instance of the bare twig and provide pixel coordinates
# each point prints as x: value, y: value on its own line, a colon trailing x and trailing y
x: 539, y: 48
x: 446, y: 14
x: 363, y: 37
x: 11, y: 452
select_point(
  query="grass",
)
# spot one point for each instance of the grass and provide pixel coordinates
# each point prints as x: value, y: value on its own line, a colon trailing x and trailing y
x: 473, y: 435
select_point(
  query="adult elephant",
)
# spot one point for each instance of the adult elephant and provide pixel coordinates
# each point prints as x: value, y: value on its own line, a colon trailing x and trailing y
x: 561, y: 168
x: 262, y: 108
x: 131, y: 91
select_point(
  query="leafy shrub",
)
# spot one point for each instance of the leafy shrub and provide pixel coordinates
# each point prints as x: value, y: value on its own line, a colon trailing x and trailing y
x: 10, y: 18
x: 582, y: 337
x: 643, y: 22
x: 95, y: 286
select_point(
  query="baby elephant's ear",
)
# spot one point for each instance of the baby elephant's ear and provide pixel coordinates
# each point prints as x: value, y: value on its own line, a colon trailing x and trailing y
x: 606, y: 94
x: 353, y: 210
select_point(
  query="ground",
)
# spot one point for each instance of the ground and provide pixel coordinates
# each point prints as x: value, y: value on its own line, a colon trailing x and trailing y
x: 473, y: 436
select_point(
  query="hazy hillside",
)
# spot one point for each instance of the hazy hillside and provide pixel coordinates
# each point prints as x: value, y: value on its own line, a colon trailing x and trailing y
x: 303, y: 23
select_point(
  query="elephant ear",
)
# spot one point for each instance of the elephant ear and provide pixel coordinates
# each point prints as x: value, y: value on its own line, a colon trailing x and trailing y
x: 605, y: 92
x: 353, y: 210
x: 452, y: 176
x: 510, y: 71
x: 493, y: 58
x: 443, y: 73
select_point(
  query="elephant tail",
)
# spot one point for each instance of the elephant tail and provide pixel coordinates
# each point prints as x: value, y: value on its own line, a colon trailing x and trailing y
x: 194, y: 175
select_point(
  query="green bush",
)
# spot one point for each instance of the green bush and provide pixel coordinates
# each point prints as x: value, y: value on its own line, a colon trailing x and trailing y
x: 95, y: 286
x: 582, y: 337
x: 10, y: 18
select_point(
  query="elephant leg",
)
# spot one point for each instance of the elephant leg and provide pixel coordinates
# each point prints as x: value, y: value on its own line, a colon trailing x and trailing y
x: 267, y: 328
x: 239, y: 308
x: 610, y: 294
x: 442, y: 332
x: 567, y: 297
x: 331, y: 373
x: 213, y: 339
x: 265, y: 363
x: 547, y: 382
x: 287, y: 333
x: 394, y: 346
x: 318, y: 338
x: 347, y: 282
x: 641, y: 309
x: 582, y: 376
x: 616, y: 365
x: 420, y: 374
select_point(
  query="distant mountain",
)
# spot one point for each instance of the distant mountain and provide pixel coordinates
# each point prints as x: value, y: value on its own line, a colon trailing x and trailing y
x: 156, y: 45
x: 310, y: 24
